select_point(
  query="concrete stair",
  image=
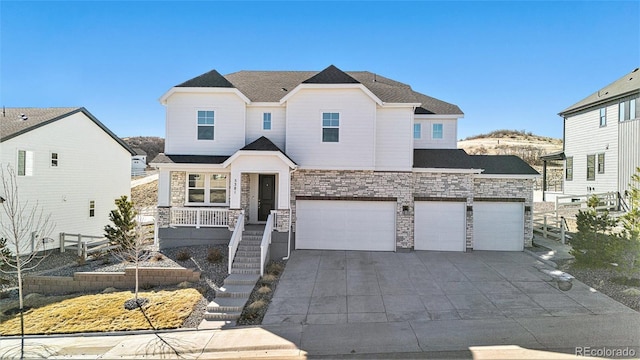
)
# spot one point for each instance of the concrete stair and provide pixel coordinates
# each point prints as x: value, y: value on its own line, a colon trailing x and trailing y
x: 245, y: 272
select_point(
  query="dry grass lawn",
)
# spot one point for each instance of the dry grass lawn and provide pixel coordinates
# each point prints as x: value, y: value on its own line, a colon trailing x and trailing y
x: 105, y: 312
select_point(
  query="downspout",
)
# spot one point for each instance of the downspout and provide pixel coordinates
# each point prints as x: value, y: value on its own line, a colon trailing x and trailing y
x: 290, y: 213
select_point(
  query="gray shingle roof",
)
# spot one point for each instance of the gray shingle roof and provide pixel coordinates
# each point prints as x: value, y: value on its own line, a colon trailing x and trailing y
x: 17, y: 121
x: 271, y: 86
x: 459, y: 159
x: 626, y: 85
x: 262, y: 144
x: 188, y: 159
x: 210, y: 79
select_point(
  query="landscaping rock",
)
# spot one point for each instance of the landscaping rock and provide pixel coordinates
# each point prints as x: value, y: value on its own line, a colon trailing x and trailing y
x: 184, y: 285
x: 631, y: 292
x: 132, y: 304
x: 109, y: 290
x: 33, y: 296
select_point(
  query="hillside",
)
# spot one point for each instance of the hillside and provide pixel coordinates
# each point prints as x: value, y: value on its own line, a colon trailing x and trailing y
x: 152, y: 145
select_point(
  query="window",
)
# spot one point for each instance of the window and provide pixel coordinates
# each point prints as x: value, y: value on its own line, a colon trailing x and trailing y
x: 266, y: 121
x: 569, y: 169
x: 621, y: 111
x: 25, y: 163
x: 627, y: 110
x: 603, y: 117
x: 92, y: 208
x: 205, y: 125
x: 330, y: 127
x: 207, y: 188
x: 54, y: 159
x: 591, y: 167
x: 437, y: 131
x: 601, y: 163
x: 417, y: 131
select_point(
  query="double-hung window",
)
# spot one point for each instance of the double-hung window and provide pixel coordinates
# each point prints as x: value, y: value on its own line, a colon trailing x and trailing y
x: 266, y: 121
x: 437, y: 132
x: 601, y: 163
x: 205, y: 124
x: 627, y: 110
x: 591, y: 167
x: 25, y: 163
x: 92, y: 208
x: 330, y: 127
x: 603, y: 117
x: 54, y: 159
x: 569, y: 169
x: 207, y: 189
x: 417, y: 131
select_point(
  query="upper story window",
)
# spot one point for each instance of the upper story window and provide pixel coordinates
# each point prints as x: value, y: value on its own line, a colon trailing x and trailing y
x: 437, y: 132
x: 591, y: 167
x: 205, y: 125
x: 417, y: 131
x: 207, y: 189
x: 54, y: 159
x: 601, y: 163
x: 25, y: 163
x: 569, y: 169
x: 330, y: 127
x: 266, y: 121
x: 627, y: 110
x: 603, y: 117
x: 92, y: 208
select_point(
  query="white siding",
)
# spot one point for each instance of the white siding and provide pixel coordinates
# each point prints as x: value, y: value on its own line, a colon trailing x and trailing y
x: 584, y: 136
x: 181, y: 124
x: 254, y: 125
x: 355, y: 149
x: 629, y: 152
x: 449, y: 134
x: 91, y: 166
x: 394, y: 131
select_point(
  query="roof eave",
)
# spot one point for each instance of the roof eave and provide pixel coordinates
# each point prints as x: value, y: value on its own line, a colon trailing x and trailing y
x: 332, y: 86
x: 202, y: 90
x: 572, y: 109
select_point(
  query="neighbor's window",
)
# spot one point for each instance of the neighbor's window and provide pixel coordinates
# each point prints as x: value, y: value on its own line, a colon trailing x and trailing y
x: 266, y: 121
x: 417, y: 131
x: 569, y: 169
x: 591, y: 167
x: 627, y: 110
x: 603, y: 117
x: 205, y: 125
x: 207, y: 188
x: 601, y: 163
x: 330, y: 127
x: 92, y: 208
x: 54, y: 159
x: 25, y: 163
x: 437, y: 131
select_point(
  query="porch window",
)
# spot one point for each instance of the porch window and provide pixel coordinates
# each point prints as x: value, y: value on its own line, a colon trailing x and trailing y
x: 330, y: 127
x: 207, y: 189
x: 205, y: 125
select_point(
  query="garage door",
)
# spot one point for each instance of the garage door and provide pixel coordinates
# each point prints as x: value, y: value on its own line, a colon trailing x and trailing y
x: 498, y: 226
x: 346, y: 225
x: 440, y: 225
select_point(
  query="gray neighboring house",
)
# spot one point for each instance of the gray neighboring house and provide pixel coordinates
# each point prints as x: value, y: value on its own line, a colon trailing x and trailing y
x: 338, y: 161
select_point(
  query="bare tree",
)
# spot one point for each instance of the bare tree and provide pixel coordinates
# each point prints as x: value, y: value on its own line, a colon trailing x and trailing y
x: 23, y: 226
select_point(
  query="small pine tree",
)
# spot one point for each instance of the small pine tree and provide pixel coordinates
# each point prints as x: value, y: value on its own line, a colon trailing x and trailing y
x: 593, y: 244
x: 123, y: 218
x: 627, y: 247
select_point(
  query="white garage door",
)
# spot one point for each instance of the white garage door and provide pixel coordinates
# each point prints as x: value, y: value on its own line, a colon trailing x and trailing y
x: 346, y: 225
x: 498, y: 226
x: 440, y: 225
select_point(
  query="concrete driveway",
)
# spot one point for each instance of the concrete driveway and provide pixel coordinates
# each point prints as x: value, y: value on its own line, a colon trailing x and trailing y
x: 333, y: 287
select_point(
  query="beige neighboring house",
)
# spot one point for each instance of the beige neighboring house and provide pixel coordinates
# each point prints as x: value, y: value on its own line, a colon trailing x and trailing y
x: 602, y: 138
x: 68, y: 163
x: 338, y: 161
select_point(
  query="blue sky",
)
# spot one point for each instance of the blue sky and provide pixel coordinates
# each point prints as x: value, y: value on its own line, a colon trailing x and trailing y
x: 508, y: 65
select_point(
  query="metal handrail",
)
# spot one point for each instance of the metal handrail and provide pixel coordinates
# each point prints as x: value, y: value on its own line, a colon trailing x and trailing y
x: 266, y: 240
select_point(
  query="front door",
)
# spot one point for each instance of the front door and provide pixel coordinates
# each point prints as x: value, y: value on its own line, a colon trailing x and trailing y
x: 266, y: 196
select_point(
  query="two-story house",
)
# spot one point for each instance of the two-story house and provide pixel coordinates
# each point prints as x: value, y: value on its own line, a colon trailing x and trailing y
x: 138, y: 162
x: 602, y: 138
x: 68, y: 164
x: 343, y: 160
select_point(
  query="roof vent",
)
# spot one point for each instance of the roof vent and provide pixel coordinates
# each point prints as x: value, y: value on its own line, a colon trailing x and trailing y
x: 24, y: 117
x: 283, y: 89
x: 634, y: 70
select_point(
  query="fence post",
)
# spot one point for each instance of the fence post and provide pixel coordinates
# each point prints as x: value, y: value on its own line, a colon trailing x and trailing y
x: 197, y: 218
x: 544, y: 227
x: 33, y: 241
x: 61, y: 242
x: 562, y: 228
x: 84, y: 251
x: 79, y: 244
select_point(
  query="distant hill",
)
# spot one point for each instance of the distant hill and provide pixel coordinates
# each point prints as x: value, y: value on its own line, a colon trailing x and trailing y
x: 152, y: 145
x: 524, y: 144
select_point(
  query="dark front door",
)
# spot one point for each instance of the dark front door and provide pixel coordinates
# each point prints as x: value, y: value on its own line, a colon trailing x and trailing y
x: 266, y: 196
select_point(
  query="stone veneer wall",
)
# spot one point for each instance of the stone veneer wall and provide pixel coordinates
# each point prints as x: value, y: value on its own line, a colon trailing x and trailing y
x: 509, y: 188
x: 349, y: 183
x: 245, y: 195
x: 282, y: 220
x: 178, y: 188
x: 96, y: 281
x: 164, y: 216
x: 446, y: 185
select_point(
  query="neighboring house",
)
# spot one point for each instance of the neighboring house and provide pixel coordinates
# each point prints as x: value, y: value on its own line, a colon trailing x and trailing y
x: 138, y: 162
x: 602, y: 139
x: 355, y: 160
x: 68, y: 163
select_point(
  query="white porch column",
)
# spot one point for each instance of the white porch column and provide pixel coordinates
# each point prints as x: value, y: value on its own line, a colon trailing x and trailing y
x: 235, y: 186
x: 164, y: 188
x: 284, y: 181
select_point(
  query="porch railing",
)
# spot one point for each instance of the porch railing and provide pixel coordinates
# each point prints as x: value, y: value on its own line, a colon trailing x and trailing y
x: 199, y: 217
x: 236, y: 237
x: 266, y: 241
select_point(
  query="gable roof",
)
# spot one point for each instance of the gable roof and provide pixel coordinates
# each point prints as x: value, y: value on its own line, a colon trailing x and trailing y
x: 161, y: 158
x: 626, y: 85
x: 459, y: 159
x: 139, y: 151
x: 264, y: 144
x: 17, y: 121
x: 272, y: 86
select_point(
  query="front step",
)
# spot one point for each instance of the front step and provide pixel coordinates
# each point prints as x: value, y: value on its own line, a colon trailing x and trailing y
x: 247, y: 254
x: 234, y: 291
x: 226, y: 305
x: 245, y: 271
x: 241, y: 279
x: 216, y: 316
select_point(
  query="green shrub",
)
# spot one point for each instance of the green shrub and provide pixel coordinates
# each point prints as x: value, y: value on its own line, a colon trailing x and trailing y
x: 594, y: 245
